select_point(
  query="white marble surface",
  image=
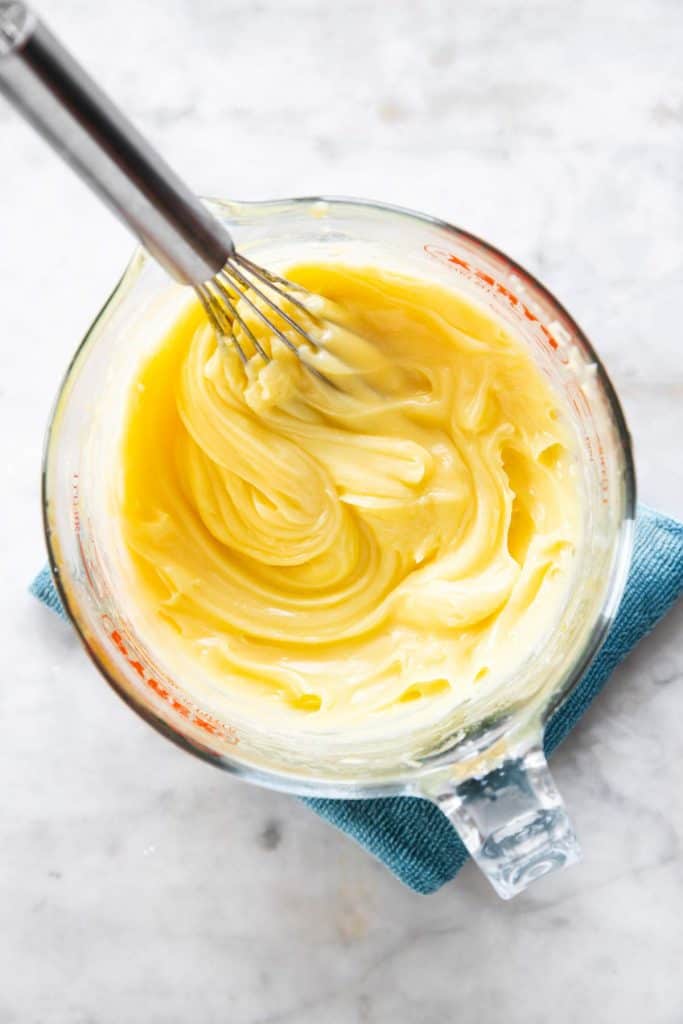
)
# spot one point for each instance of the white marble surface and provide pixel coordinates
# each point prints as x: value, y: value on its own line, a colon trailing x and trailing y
x: 139, y: 885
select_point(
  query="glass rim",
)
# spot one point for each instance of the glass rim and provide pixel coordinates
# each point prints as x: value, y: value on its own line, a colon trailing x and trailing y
x: 400, y: 782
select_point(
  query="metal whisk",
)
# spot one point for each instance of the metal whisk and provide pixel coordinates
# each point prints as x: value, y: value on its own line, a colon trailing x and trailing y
x: 242, y: 280
x: 72, y: 113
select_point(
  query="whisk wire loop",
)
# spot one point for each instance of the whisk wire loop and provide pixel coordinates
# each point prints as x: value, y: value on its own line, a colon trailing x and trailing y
x: 236, y: 318
x: 242, y: 282
x: 231, y: 269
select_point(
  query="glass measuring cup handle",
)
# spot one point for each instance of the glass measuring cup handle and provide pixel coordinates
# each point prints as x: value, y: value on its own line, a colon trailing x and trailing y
x: 512, y: 820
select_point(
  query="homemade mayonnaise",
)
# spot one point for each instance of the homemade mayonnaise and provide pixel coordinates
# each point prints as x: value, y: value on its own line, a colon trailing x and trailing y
x: 322, y: 557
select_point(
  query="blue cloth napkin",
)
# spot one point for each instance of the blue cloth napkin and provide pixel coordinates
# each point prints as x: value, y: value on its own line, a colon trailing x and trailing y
x: 411, y: 836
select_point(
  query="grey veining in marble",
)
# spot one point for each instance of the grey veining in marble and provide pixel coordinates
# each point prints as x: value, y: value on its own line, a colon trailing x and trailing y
x: 138, y: 885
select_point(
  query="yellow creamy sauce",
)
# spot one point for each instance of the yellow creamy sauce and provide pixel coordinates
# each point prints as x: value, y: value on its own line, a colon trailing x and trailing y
x: 325, y: 557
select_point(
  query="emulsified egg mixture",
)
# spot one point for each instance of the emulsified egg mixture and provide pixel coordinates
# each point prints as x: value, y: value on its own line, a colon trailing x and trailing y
x: 320, y: 557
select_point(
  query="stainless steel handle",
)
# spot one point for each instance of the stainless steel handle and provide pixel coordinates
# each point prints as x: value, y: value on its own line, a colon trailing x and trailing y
x: 62, y: 102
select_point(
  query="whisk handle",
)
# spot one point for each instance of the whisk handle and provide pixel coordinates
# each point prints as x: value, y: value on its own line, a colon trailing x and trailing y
x: 71, y: 112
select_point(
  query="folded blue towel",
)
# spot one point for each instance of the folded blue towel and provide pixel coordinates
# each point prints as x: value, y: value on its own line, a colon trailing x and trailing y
x: 411, y: 836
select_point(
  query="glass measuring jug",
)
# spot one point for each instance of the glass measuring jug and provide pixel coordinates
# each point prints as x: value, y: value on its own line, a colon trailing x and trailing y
x: 483, y: 764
